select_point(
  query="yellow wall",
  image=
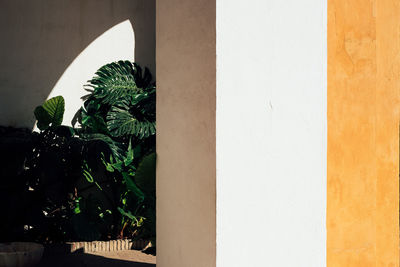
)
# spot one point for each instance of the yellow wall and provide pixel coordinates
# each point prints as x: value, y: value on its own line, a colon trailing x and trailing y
x: 363, y: 133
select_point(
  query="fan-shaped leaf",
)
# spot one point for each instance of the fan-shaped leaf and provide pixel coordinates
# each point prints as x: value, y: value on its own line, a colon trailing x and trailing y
x: 50, y: 113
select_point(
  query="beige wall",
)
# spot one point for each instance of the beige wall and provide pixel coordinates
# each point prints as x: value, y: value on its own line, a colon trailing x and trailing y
x: 186, y: 70
x: 41, y: 38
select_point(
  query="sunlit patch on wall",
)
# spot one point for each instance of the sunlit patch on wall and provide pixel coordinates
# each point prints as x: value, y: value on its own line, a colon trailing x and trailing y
x: 117, y: 43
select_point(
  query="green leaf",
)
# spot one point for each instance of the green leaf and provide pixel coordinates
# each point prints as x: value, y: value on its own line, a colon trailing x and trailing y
x: 148, y: 95
x: 126, y: 213
x: 108, y: 166
x: 77, y: 117
x: 129, y: 155
x: 42, y: 117
x: 51, y: 113
x: 77, y: 208
x: 115, y: 81
x: 120, y: 122
x: 131, y: 186
x: 118, y: 165
x: 88, y: 176
x: 93, y: 122
x: 136, y: 220
x: 115, y: 147
x: 55, y: 108
x: 145, y: 176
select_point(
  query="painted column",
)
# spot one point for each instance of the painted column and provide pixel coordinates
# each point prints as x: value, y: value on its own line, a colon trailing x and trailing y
x: 185, y: 133
x: 363, y: 133
x: 271, y: 133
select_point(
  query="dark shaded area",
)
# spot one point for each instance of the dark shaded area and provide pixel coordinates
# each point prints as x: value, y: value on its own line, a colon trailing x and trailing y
x: 40, y: 176
x: 150, y: 251
x: 40, y: 39
x: 55, y: 188
x: 15, y: 144
x: 87, y: 260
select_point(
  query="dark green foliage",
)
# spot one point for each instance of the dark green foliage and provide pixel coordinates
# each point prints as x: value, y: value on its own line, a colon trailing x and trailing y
x: 119, y: 80
x: 145, y: 176
x: 121, y: 102
x: 93, y: 181
x: 121, y: 111
x: 120, y: 122
x: 145, y: 179
x: 116, y: 148
x: 48, y: 167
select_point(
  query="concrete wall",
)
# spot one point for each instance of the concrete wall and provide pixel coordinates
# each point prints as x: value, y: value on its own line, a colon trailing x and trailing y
x: 56, y: 45
x: 271, y: 133
x: 186, y: 133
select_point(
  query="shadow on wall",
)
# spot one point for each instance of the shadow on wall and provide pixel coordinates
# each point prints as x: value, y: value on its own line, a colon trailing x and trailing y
x: 41, y: 39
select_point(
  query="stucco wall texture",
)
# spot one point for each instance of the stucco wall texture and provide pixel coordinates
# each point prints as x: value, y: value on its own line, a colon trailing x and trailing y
x: 363, y: 133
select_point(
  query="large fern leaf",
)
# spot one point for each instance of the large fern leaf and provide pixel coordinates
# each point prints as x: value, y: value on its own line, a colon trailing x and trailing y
x: 116, y: 148
x: 120, y: 122
x: 118, y: 80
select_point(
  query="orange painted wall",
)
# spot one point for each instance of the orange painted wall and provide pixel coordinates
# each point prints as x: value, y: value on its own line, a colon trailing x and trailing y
x: 363, y: 133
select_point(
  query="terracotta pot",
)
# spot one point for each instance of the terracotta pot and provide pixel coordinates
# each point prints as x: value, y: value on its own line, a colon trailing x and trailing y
x: 20, y: 254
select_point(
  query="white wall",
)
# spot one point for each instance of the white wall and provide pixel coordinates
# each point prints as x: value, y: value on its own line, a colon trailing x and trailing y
x: 271, y: 133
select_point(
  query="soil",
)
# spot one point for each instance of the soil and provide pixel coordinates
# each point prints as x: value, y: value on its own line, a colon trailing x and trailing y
x: 125, y: 258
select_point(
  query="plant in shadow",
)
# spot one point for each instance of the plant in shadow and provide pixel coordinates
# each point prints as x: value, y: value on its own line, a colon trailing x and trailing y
x: 90, y: 182
x: 120, y: 111
x: 137, y: 201
x: 58, y: 168
x: 37, y: 188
